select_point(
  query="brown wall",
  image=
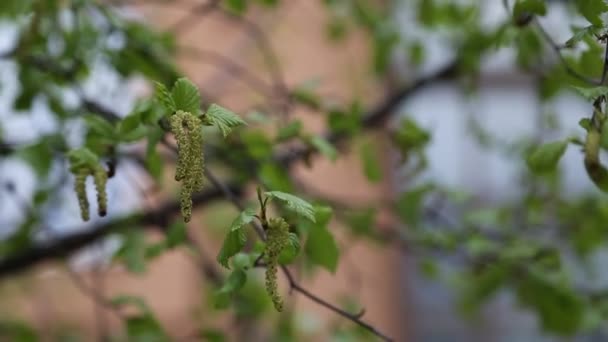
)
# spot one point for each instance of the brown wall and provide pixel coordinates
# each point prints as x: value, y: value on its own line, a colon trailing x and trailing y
x: 172, y: 286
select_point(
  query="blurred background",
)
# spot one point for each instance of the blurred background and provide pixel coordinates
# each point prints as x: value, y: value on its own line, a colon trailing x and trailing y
x: 474, y: 158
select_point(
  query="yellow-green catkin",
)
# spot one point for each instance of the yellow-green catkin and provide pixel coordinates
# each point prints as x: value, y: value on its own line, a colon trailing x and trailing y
x: 190, y: 161
x: 80, y: 187
x: 277, y: 238
x: 101, y: 178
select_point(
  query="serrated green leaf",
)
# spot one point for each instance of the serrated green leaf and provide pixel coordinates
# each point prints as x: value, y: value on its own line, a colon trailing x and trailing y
x: 294, y: 203
x: 581, y: 34
x: 592, y: 10
x: 233, y: 243
x: 223, y: 119
x: 544, y: 158
x: 593, y: 93
x: 164, y: 97
x: 186, y: 96
x: 324, y: 147
x: 244, y: 218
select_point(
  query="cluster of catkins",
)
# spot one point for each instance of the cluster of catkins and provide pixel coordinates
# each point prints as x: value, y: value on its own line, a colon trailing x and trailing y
x: 100, y: 177
x: 277, y: 238
x: 190, y: 161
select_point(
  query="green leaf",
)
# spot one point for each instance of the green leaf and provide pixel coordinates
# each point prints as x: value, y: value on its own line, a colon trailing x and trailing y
x: 559, y: 308
x: 145, y: 328
x: 544, y: 158
x: 589, y: 31
x: 154, y: 162
x: 133, y: 251
x: 82, y: 157
x: 164, y: 97
x: 410, y: 136
x: 17, y: 331
x: 244, y: 218
x: 39, y: 156
x: 177, y: 234
x: 237, y: 6
x: 100, y: 126
x: 321, y: 247
x: 128, y: 124
x: 523, y: 7
x: 294, y: 203
x: 371, y: 165
x: 593, y: 93
x: 234, y: 282
x: 138, y: 302
x: 233, y: 243
x: 223, y: 119
x: 289, y: 131
x: 410, y: 203
x: 304, y: 94
x: 592, y: 10
x: 186, y: 96
x: 324, y: 147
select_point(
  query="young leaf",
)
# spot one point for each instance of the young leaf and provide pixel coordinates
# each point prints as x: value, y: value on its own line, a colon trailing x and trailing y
x: 324, y: 147
x: 234, y: 243
x: 145, y: 328
x: 234, y: 282
x: 237, y: 6
x: 545, y: 157
x: 177, y: 234
x: 223, y: 118
x: 186, y: 96
x: 289, y: 131
x: 304, y: 94
x: 371, y: 165
x: 592, y: 94
x: 244, y: 218
x: 529, y: 7
x: 592, y: 10
x: 322, y: 249
x: 294, y: 203
x: 100, y: 126
x: 163, y: 96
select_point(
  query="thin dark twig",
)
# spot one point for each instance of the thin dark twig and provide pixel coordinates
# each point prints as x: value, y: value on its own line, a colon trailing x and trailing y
x: 231, y: 68
x: 561, y: 58
x: 355, y: 318
x: 194, y: 14
x: 265, y: 47
x: 96, y: 297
